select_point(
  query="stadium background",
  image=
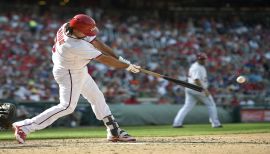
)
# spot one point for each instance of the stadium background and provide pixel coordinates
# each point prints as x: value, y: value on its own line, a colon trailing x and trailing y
x: 162, y: 36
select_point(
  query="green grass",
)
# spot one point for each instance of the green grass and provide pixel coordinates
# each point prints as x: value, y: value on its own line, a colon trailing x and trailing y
x: 145, y: 131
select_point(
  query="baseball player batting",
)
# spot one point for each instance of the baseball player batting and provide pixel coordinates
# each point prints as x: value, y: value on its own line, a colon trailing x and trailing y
x: 198, y: 75
x: 75, y: 46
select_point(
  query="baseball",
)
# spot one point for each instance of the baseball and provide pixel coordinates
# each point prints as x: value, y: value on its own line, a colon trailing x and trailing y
x: 241, y: 79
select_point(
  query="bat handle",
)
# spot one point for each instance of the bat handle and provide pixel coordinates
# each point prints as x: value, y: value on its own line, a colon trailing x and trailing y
x: 151, y: 73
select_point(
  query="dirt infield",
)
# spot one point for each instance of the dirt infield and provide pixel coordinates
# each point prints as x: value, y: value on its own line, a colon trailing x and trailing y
x: 219, y: 144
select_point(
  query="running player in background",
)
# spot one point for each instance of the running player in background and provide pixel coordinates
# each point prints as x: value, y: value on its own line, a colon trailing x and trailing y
x: 198, y: 75
x: 75, y: 46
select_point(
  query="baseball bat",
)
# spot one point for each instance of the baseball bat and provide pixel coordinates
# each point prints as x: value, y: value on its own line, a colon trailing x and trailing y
x: 179, y: 82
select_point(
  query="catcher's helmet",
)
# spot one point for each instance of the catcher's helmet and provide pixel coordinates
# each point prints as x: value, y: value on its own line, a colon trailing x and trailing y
x: 201, y: 56
x: 84, y: 24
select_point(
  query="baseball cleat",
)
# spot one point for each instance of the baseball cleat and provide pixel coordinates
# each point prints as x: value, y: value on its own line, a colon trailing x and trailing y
x: 180, y: 126
x: 123, y: 137
x: 19, y: 134
x: 219, y: 126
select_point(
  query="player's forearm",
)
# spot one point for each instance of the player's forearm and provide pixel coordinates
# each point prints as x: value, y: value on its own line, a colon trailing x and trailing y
x: 111, y: 61
x: 104, y: 48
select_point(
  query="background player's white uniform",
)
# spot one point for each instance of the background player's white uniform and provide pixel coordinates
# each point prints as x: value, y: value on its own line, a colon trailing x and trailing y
x: 197, y: 71
x: 70, y: 57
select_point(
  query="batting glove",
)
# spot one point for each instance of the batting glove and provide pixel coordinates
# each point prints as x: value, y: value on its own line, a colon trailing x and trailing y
x: 133, y: 68
x: 123, y: 60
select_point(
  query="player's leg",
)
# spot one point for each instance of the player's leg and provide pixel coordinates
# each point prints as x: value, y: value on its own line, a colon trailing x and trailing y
x: 102, y: 111
x: 212, y: 110
x: 190, y: 101
x: 69, y: 92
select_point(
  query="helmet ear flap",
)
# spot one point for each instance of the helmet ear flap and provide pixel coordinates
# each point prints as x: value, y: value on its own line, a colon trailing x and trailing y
x: 69, y: 30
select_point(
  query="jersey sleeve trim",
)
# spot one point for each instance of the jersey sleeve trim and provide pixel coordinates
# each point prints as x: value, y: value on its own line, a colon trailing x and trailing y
x: 93, y: 40
x: 97, y: 56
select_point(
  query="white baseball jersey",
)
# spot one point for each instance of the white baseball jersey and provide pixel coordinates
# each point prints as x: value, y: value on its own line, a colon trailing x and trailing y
x: 198, y: 71
x: 72, y: 53
x: 70, y: 58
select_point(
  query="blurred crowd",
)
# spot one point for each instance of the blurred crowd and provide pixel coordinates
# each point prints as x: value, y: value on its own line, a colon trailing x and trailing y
x: 233, y: 47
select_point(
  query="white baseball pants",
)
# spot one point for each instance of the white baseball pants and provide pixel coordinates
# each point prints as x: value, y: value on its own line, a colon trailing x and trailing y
x: 191, y: 99
x: 71, y: 83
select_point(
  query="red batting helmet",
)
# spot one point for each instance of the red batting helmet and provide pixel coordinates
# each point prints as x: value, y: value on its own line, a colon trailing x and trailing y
x: 84, y: 24
x: 201, y: 56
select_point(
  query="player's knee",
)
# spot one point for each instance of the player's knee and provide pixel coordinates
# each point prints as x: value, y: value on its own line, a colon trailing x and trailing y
x: 70, y: 110
x: 211, y: 105
x: 67, y: 109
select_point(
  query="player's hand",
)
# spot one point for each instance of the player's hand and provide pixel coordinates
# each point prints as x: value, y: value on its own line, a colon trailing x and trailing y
x: 207, y: 93
x: 133, y: 68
